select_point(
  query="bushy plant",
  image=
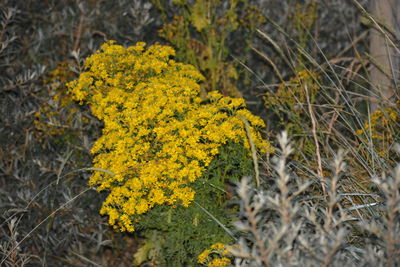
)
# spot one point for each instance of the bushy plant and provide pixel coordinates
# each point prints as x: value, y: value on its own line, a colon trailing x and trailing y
x: 205, y: 34
x: 289, y: 102
x: 159, y: 138
x: 382, y: 128
x: 285, y: 225
x: 321, y: 102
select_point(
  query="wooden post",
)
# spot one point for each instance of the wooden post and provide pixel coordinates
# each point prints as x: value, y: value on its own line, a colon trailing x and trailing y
x: 385, y: 56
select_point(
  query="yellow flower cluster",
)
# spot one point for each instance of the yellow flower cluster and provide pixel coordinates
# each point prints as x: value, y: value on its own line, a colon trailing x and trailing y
x: 379, y: 124
x: 383, y: 128
x: 159, y: 135
x: 215, y: 256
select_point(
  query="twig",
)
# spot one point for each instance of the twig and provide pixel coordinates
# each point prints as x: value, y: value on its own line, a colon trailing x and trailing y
x: 253, y: 151
x: 216, y: 220
x: 78, y: 33
x: 314, y: 132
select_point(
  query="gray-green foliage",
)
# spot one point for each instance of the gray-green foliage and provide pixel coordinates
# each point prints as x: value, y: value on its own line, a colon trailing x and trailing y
x: 41, y: 222
x: 283, y: 225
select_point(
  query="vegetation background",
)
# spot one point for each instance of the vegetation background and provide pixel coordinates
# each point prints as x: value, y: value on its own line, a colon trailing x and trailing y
x: 312, y: 68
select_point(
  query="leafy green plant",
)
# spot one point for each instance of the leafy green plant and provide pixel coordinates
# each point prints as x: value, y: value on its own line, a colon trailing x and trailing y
x: 176, y: 235
x: 159, y: 139
x: 202, y: 32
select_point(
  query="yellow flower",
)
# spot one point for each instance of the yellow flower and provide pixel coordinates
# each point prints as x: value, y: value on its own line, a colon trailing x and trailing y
x: 215, y: 256
x: 219, y: 262
x: 158, y: 136
x: 202, y: 258
x: 218, y: 246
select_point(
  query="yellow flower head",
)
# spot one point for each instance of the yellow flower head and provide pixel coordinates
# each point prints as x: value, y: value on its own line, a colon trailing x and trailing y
x: 215, y: 256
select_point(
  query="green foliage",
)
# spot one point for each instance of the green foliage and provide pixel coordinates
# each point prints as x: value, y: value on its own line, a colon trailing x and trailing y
x: 159, y: 136
x: 175, y: 236
x: 303, y: 18
x: 290, y: 102
x: 202, y: 34
x: 163, y: 148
